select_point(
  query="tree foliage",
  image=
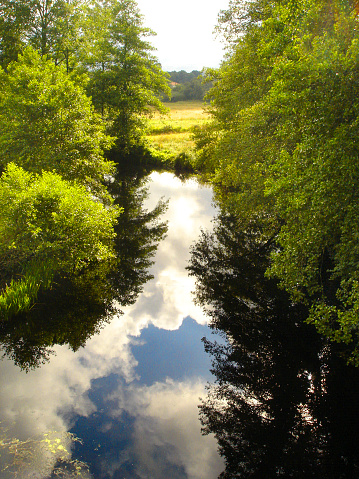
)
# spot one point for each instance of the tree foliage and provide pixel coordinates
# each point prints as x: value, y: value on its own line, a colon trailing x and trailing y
x: 282, y: 148
x: 52, y: 27
x: 53, y: 54
x: 47, y: 225
x: 186, y: 86
x: 106, y: 40
x: 14, y: 21
x: 125, y: 77
x: 48, y: 123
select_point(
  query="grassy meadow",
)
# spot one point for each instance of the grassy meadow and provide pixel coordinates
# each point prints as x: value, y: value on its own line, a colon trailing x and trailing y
x: 171, y: 134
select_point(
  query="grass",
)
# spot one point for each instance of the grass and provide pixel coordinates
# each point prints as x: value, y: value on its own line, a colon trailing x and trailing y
x: 172, y: 134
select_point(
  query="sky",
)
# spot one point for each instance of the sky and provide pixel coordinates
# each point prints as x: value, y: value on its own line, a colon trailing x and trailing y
x: 185, y: 38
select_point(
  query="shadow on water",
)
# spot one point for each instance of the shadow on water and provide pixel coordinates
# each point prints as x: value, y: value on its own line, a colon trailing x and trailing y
x: 284, y: 404
x: 77, y: 307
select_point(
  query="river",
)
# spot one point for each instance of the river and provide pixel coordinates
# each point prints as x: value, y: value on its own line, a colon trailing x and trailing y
x: 116, y: 373
x: 131, y: 393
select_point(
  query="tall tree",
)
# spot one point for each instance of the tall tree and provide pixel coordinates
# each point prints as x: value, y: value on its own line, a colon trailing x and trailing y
x: 56, y: 29
x: 125, y: 78
x: 315, y: 177
x: 15, y: 19
x: 52, y: 27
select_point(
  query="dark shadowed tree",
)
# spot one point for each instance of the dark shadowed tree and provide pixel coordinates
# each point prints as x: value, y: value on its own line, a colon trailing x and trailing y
x: 277, y: 406
x: 137, y: 235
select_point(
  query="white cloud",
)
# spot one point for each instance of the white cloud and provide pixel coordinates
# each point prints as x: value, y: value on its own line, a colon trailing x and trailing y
x: 168, y: 299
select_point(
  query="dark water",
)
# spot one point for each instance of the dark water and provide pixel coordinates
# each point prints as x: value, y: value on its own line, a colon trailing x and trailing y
x: 104, y: 377
x: 284, y: 403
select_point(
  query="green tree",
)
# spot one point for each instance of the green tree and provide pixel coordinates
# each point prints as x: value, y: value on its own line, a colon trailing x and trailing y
x: 315, y: 179
x: 233, y: 148
x: 47, y: 226
x: 281, y: 149
x: 183, y: 76
x: 52, y: 27
x: 14, y: 22
x: 56, y: 29
x: 48, y: 123
x: 125, y: 78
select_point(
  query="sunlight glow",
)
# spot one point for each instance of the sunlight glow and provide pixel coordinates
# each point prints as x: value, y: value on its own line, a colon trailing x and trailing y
x: 185, y: 38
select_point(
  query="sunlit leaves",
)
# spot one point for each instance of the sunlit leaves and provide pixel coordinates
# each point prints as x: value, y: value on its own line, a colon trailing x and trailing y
x: 15, y: 18
x: 47, y: 225
x: 283, y: 146
x: 48, y: 122
x: 52, y: 27
x: 47, y: 453
x: 125, y: 78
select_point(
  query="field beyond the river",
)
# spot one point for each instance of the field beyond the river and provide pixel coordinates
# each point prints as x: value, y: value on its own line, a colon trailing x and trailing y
x: 172, y: 133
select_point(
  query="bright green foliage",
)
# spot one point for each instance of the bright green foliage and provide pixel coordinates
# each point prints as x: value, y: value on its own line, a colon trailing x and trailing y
x: 107, y: 40
x: 48, y: 123
x: 316, y: 180
x: 125, y: 78
x: 233, y: 149
x: 283, y: 147
x: 47, y: 225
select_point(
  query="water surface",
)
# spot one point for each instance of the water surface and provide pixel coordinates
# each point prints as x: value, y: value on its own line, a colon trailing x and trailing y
x: 129, y: 390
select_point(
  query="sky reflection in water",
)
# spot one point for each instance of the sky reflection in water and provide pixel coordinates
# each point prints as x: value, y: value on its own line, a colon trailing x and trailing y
x: 132, y: 393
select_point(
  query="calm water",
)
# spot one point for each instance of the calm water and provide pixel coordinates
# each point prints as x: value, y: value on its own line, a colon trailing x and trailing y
x: 103, y: 378
x: 131, y: 394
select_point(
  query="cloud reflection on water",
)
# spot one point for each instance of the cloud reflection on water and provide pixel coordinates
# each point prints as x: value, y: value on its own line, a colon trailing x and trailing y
x: 166, y: 415
x: 167, y: 299
x: 167, y: 428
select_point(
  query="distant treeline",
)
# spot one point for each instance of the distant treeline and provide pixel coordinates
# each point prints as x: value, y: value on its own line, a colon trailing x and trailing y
x: 187, y: 86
